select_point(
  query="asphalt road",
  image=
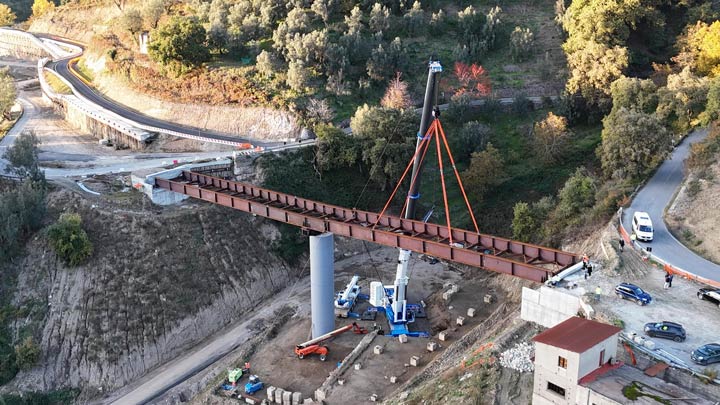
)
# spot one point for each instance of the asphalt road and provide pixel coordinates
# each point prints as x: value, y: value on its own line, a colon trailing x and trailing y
x: 63, y: 69
x: 658, y: 194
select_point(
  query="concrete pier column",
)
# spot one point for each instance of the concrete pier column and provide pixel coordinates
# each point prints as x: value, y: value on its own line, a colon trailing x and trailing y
x: 322, y: 283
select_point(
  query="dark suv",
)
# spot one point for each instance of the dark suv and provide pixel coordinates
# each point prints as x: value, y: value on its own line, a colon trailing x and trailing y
x: 706, y: 354
x: 665, y: 330
x: 633, y: 293
x: 709, y: 294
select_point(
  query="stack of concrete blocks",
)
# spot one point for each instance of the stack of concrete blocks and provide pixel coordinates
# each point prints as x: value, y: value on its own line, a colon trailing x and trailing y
x: 287, y: 398
x: 393, y: 379
x: 414, y: 361
x: 279, y: 392
x: 460, y: 320
x: 471, y: 312
x: 449, y: 293
x: 378, y: 349
x: 443, y: 336
x: 319, y: 395
x: 403, y: 338
x: 488, y: 299
x: 432, y: 346
x: 271, y: 393
x: 296, y: 398
x: 548, y: 306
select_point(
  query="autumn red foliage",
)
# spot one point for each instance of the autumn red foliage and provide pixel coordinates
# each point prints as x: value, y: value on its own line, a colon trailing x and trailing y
x: 473, y: 79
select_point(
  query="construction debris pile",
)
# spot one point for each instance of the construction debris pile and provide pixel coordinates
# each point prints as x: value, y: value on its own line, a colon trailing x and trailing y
x: 519, y: 358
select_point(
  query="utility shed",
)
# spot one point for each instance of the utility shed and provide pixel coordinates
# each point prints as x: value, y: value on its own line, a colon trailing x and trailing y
x: 566, y: 353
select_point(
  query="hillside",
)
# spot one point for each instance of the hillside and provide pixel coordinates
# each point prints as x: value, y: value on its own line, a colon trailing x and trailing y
x: 159, y: 281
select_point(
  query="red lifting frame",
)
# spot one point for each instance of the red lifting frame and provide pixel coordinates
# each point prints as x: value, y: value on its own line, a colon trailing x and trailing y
x: 501, y: 255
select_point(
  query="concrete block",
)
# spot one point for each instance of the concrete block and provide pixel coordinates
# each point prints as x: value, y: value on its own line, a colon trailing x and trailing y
x: 271, y: 393
x: 287, y: 398
x: 249, y: 401
x: 432, y: 346
x: 319, y: 395
x: 403, y: 338
x: 460, y: 320
x: 279, y: 395
x: 471, y: 312
x: 447, y: 295
x: 308, y: 401
x: 488, y: 299
x: 443, y: 336
x: 378, y: 349
x: 373, y: 398
x: 650, y: 344
x: 451, y: 307
x: 358, y: 366
x: 296, y: 398
x: 414, y: 361
x: 341, y: 381
x: 393, y: 379
x: 454, y: 288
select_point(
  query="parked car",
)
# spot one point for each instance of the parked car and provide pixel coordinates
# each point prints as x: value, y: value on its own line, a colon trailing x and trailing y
x: 710, y: 294
x: 709, y: 353
x: 642, y: 226
x: 632, y: 292
x: 665, y: 330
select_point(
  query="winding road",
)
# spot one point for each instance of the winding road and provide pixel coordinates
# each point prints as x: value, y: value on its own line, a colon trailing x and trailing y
x: 654, y: 197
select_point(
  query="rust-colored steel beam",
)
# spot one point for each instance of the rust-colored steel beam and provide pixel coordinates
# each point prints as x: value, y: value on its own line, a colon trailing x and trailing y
x: 501, y: 255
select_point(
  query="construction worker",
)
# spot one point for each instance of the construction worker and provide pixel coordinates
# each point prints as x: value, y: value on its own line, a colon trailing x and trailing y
x: 622, y: 244
x: 598, y: 293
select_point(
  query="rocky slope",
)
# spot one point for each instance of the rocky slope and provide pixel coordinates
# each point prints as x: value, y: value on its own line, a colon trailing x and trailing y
x: 159, y: 281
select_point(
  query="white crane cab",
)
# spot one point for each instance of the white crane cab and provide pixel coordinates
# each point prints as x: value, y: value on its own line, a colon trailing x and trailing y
x: 642, y: 226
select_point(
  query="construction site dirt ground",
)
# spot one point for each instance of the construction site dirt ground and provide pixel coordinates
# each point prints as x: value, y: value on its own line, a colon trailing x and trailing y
x: 701, y: 319
x: 277, y: 365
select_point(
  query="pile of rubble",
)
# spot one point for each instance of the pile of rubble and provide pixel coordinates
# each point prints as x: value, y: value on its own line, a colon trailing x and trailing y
x: 519, y: 358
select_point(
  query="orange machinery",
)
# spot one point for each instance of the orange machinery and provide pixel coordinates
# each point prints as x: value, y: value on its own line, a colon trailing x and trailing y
x: 314, y: 346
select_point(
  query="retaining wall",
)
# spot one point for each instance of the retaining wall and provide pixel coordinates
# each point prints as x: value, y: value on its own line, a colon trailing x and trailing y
x: 548, y: 307
x: 21, y: 45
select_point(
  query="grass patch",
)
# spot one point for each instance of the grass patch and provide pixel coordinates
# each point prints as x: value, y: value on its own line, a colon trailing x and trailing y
x: 56, y: 84
x: 634, y: 391
x: 46, y: 398
x: 82, y: 69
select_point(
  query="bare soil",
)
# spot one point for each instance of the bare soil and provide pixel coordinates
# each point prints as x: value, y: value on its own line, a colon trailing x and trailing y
x: 692, y: 219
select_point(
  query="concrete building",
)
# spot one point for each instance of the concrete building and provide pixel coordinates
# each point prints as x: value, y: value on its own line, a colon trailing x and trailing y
x: 568, y: 352
x: 575, y: 364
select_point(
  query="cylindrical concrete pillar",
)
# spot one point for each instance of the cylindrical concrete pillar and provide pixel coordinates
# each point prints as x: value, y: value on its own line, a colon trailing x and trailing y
x: 322, y: 283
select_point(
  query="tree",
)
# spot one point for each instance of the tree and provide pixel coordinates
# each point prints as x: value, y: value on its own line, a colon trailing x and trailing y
x: 524, y: 225
x: 27, y: 354
x: 550, y: 137
x: 132, y: 21
x: 335, y: 149
x: 387, y: 140
x: 41, y: 7
x: 396, y: 96
x: 474, y: 136
x: 318, y: 111
x: 521, y: 43
x: 700, y: 48
x: 218, y: 38
x: 712, y: 107
x: 414, y: 19
x: 323, y: 9
x: 577, y: 195
x: 7, y: 16
x: 265, y: 64
x: 379, y: 18
x: 473, y: 79
x: 23, y: 155
x: 683, y: 99
x: 354, y: 23
x: 593, y: 69
x: 486, y: 169
x: 7, y: 93
x: 633, y: 143
x: 385, y: 61
x: 152, y: 12
x: 298, y: 76
x: 179, y: 44
x: 634, y: 93
x: 69, y: 240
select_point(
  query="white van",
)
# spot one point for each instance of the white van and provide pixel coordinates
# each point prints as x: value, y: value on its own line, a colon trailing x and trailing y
x: 642, y: 226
